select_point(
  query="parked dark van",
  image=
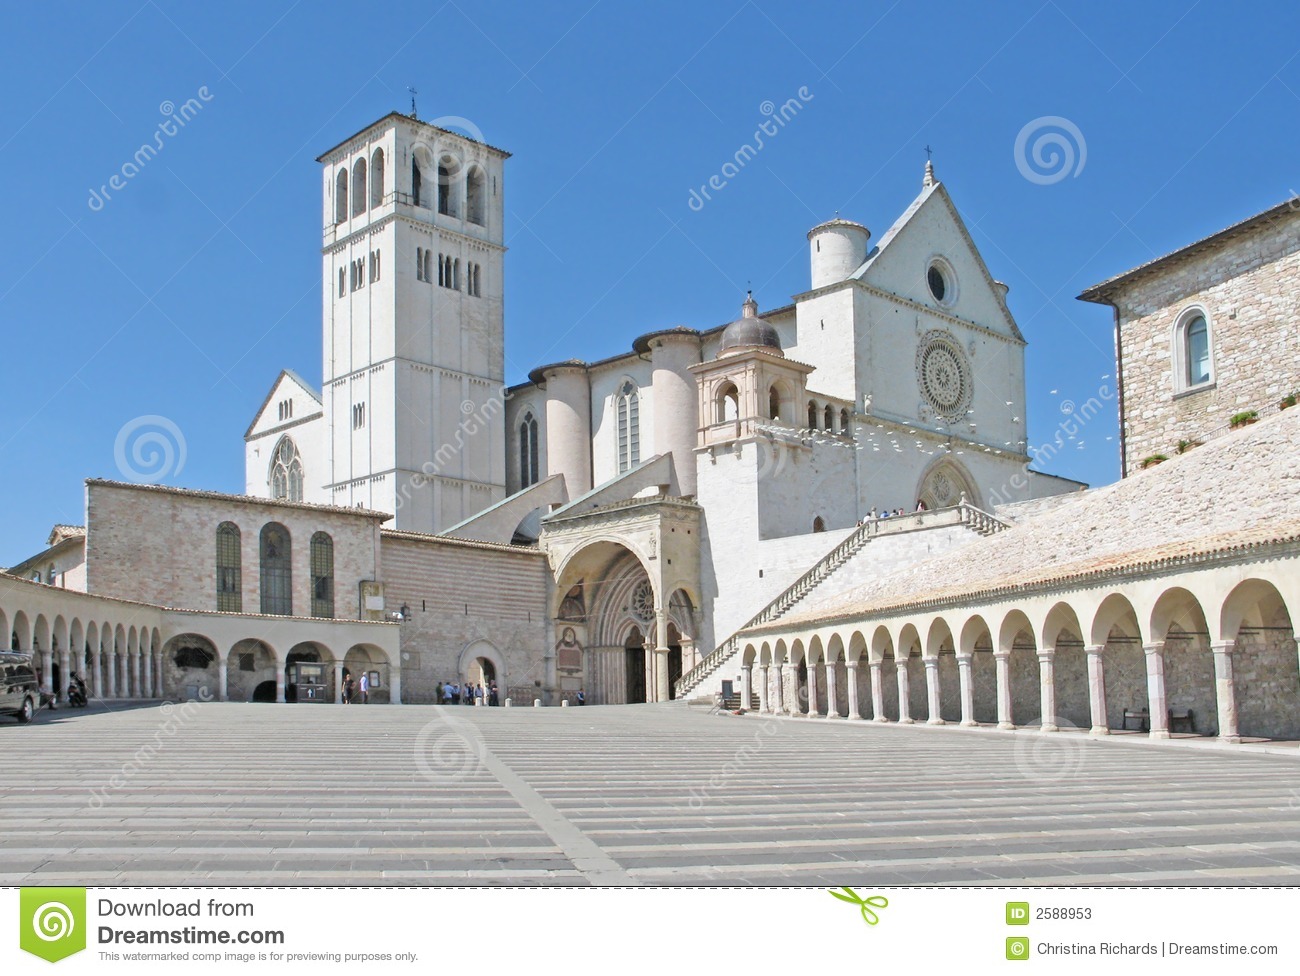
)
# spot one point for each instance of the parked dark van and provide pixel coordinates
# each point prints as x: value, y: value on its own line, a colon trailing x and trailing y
x: 19, y: 691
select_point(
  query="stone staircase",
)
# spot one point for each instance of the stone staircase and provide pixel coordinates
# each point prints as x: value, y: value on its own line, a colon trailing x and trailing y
x: 967, y: 516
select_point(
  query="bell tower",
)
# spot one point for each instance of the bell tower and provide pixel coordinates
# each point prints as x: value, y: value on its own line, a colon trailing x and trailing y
x: 413, y: 322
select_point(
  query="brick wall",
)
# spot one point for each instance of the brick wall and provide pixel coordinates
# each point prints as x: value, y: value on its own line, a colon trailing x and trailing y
x: 1250, y: 288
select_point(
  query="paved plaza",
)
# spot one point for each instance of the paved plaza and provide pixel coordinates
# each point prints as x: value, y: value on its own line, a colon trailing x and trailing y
x: 671, y: 794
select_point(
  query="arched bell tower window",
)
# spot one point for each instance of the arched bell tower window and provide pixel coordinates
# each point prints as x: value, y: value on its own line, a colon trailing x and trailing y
x: 629, y: 427
x: 376, y: 178
x: 286, y: 471
x: 727, y: 404
x: 417, y: 180
x: 476, y: 196
x: 341, y: 196
x: 358, y: 187
x: 528, y: 466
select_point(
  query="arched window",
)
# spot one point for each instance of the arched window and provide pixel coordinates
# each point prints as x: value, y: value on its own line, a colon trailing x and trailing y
x: 727, y: 404
x: 419, y: 264
x: 341, y: 196
x: 448, y: 174
x: 629, y: 427
x: 229, y: 570
x: 844, y: 421
x: 286, y: 471
x: 476, y: 197
x: 417, y: 178
x: 455, y: 274
x: 819, y: 524
x: 1192, y: 348
x: 528, y: 467
x: 812, y: 415
x: 828, y: 419
x: 774, y: 403
x: 376, y: 178
x: 446, y: 272
x: 322, y: 575
x: 275, y: 559
x: 358, y: 187
x: 428, y: 266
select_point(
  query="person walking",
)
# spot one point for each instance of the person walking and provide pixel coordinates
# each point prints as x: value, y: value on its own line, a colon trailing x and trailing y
x: 364, y: 688
x: 347, y: 689
x: 492, y: 695
x: 582, y: 697
x: 478, y: 694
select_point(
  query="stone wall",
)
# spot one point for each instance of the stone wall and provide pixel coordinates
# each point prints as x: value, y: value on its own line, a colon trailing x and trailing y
x: 158, y: 545
x: 1249, y: 289
x: 468, y: 600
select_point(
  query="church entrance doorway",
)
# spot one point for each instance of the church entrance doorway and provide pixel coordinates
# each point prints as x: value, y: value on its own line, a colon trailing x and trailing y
x: 634, y: 653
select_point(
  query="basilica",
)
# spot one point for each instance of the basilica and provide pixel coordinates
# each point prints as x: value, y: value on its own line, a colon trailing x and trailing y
x: 686, y: 518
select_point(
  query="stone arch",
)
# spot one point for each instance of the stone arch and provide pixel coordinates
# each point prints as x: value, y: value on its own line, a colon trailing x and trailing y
x: 481, y: 661
x: 885, y: 670
x: 943, y: 483
x: 908, y: 649
x: 1178, y: 623
x: 1063, y: 634
x: 975, y: 638
x: 191, y: 665
x: 1117, y: 629
x: 1264, y: 667
x: 20, y: 632
x: 41, y: 634
x: 941, y: 647
x: 1017, y: 639
x: 726, y: 403
x: 374, y: 661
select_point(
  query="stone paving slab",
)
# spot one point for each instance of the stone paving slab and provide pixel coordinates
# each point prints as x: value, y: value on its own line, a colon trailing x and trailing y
x: 266, y: 794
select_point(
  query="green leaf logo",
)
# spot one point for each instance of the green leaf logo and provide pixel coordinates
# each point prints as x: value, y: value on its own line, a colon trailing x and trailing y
x: 52, y: 922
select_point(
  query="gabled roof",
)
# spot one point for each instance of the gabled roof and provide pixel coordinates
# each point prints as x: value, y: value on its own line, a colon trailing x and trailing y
x: 412, y: 121
x: 936, y: 189
x: 1102, y: 292
x: 270, y: 395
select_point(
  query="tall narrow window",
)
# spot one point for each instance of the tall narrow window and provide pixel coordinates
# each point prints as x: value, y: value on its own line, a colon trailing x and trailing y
x: 322, y: 575
x: 358, y: 187
x: 812, y: 415
x: 419, y: 264
x: 475, y: 194
x: 229, y: 574
x: 428, y: 266
x: 342, y: 284
x: 441, y: 276
x: 416, y: 180
x: 528, y: 466
x: 629, y: 428
x: 828, y: 423
x: 285, y: 477
x: 448, y: 171
x: 341, y: 196
x: 276, y: 565
x: 376, y: 178
x: 1197, y: 345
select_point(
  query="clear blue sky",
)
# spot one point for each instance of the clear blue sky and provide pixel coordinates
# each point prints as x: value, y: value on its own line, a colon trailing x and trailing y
x: 188, y: 291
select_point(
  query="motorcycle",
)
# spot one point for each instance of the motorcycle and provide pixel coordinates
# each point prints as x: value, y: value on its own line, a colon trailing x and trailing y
x: 77, y: 697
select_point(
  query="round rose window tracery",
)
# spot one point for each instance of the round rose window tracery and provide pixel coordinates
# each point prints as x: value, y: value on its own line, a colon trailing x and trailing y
x: 943, y: 374
x: 643, y: 601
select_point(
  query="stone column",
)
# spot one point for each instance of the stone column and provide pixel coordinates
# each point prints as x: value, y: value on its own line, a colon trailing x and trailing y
x: 855, y: 711
x: 790, y: 692
x: 964, y: 665
x: 123, y: 675
x: 832, y: 693
x: 877, y: 691
x: 764, y: 705
x: 338, y: 685
x: 395, y: 685
x: 96, y: 674
x: 223, y: 678
x: 812, y: 689
x: 746, y: 686
x: 932, y: 690
x: 904, y: 691
x: 110, y: 673
x: 1097, y: 690
x: 661, y: 656
x: 65, y: 674
x: 1002, y: 660
x: 147, y: 677
x: 47, y: 672
x: 1225, y: 690
x: 1047, y: 689
x: 157, y: 674
x: 649, y: 653
x: 279, y: 683
x: 778, y: 701
x: 1156, y: 703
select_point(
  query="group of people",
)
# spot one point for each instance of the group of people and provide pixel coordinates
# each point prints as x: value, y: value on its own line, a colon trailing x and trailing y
x: 873, y: 515
x: 356, y: 691
x: 468, y: 694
